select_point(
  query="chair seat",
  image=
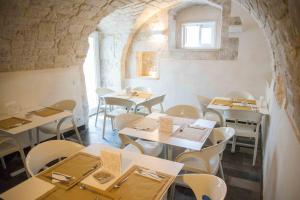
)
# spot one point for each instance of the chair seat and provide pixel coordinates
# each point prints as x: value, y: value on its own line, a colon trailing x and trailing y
x: 198, y: 166
x: 116, y: 112
x: 243, y: 130
x: 150, y: 148
x: 51, y: 128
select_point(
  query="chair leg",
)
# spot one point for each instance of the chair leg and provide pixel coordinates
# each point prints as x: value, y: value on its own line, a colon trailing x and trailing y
x: 221, y: 171
x: 3, y: 163
x: 255, y: 151
x: 77, y: 132
x: 97, y: 113
x: 63, y: 137
x: 233, y: 144
x: 112, y: 124
x: 103, y: 128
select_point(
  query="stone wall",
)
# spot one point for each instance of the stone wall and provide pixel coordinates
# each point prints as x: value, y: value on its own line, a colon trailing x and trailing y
x: 53, y: 33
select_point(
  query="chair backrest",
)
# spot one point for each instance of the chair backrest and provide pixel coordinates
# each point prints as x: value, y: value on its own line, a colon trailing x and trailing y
x: 121, y: 121
x: 115, y: 101
x: 203, y: 102
x: 141, y: 89
x: 153, y: 102
x: 45, y: 152
x: 65, y: 105
x: 224, y: 134
x: 205, y: 184
x: 218, y: 114
x: 187, y: 111
x: 240, y: 94
x: 101, y: 91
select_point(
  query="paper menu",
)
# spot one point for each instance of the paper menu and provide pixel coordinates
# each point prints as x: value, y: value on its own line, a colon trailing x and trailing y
x: 111, y: 162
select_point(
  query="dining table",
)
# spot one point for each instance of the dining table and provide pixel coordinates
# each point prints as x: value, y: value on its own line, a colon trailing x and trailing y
x: 152, y: 182
x: 184, y: 134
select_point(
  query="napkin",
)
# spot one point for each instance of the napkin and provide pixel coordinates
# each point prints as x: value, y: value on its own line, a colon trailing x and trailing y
x: 111, y: 162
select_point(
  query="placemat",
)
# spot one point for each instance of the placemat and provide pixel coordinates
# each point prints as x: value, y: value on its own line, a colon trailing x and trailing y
x: 238, y: 107
x: 12, y: 122
x: 137, y: 187
x: 222, y: 102
x: 48, y: 111
x: 243, y: 100
x: 192, y: 134
x: 79, y: 166
x: 145, y: 124
x: 76, y: 193
x: 142, y: 95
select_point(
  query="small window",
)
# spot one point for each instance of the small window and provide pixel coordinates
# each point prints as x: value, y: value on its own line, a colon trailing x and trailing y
x: 200, y: 35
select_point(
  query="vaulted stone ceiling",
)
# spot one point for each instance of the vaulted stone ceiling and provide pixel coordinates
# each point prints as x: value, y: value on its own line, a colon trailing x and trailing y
x: 53, y: 33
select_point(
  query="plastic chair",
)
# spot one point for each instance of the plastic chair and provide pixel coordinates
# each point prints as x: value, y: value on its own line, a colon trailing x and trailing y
x: 240, y: 94
x: 101, y: 92
x: 63, y: 125
x: 203, y: 185
x: 149, y: 104
x: 186, y: 111
x: 139, y: 145
x: 48, y: 151
x: 246, y: 124
x: 208, y: 160
x: 123, y: 106
x: 9, y: 145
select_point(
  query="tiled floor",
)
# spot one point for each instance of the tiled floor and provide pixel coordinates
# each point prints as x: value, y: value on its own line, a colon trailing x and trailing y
x: 242, y: 179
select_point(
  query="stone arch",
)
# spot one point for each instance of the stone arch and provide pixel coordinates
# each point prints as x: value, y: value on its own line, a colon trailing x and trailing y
x: 49, y: 34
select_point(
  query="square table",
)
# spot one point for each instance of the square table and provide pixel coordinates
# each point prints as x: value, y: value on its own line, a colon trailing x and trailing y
x: 169, y: 139
x: 35, y: 187
x: 35, y: 121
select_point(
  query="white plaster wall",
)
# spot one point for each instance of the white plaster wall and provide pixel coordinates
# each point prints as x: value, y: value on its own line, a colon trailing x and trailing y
x: 43, y: 87
x: 281, y: 174
x: 182, y: 80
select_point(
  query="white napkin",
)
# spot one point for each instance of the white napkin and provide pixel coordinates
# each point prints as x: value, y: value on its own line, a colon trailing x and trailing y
x: 111, y: 161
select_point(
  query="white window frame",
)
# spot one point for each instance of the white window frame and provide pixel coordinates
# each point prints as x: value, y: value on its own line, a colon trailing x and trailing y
x: 202, y: 24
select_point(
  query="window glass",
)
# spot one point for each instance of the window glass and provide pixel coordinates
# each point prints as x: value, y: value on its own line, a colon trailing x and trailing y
x: 198, y: 35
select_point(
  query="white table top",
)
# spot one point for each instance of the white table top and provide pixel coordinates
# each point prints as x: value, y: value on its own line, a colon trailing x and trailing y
x: 36, y: 121
x: 34, y: 187
x: 124, y: 95
x: 169, y: 139
x: 263, y: 110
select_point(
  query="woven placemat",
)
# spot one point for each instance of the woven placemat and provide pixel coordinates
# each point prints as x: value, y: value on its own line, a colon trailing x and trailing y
x: 45, y: 112
x: 12, y: 122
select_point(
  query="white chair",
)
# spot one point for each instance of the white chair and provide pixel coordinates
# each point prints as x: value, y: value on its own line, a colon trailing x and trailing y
x: 149, y: 104
x: 139, y: 145
x: 113, y: 107
x: 9, y: 145
x: 185, y: 111
x: 208, y: 113
x: 63, y: 125
x: 208, y: 160
x: 246, y: 124
x: 141, y: 89
x: 203, y: 184
x: 101, y: 92
x: 240, y: 94
x: 48, y: 151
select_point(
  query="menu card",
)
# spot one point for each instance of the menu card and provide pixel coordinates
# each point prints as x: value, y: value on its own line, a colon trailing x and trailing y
x: 111, y: 162
x: 166, y: 125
